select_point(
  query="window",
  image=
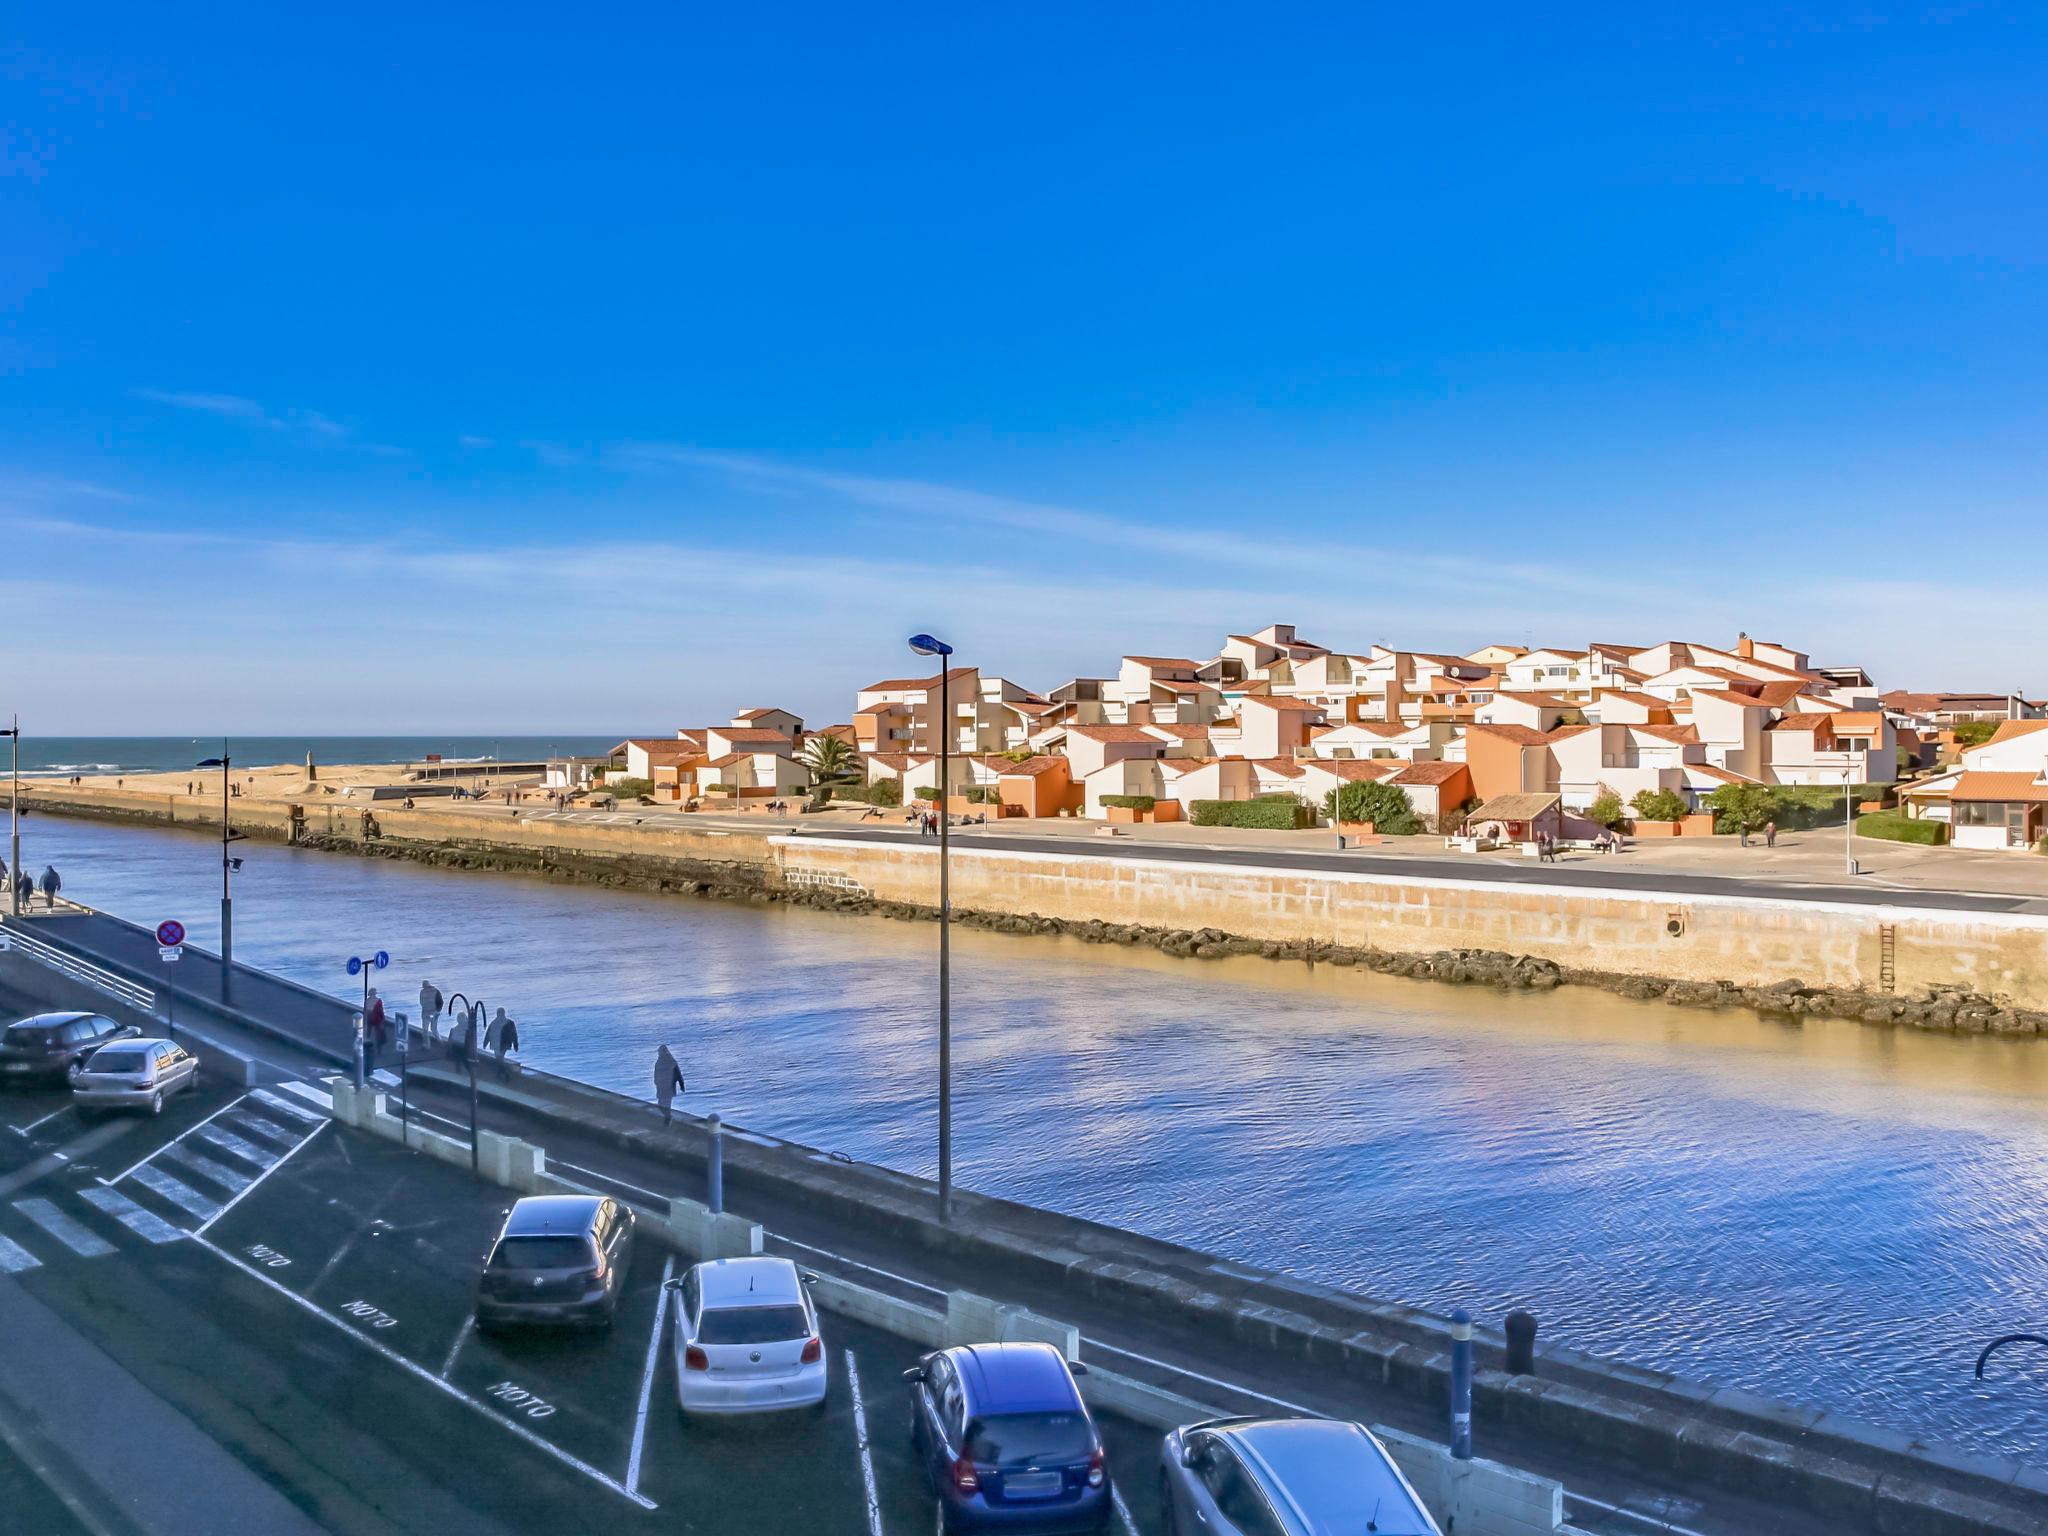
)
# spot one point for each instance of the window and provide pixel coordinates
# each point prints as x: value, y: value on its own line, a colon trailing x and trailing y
x: 689, y: 1295
x: 1006, y: 1438
x: 752, y: 1325
x: 542, y: 1253
x: 1237, y: 1496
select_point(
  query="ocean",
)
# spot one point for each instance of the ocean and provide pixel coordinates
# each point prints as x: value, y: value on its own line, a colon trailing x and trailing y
x: 46, y: 757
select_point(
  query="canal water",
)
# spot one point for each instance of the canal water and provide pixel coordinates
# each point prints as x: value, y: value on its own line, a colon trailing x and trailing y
x: 1816, y: 1210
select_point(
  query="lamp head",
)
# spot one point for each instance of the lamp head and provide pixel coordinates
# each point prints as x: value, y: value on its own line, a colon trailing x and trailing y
x: 930, y: 645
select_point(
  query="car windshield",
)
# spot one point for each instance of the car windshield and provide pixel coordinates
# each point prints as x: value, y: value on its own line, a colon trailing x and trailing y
x: 116, y: 1059
x: 753, y: 1325
x: 541, y: 1253
x: 1003, y: 1438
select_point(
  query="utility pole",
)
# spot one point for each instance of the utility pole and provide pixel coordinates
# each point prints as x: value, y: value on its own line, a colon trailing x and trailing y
x: 926, y: 645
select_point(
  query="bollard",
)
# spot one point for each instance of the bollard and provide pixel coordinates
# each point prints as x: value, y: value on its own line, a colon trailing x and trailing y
x: 1521, y: 1332
x: 1461, y: 1385
x: 359, y: 1053
x: 714, y: 1166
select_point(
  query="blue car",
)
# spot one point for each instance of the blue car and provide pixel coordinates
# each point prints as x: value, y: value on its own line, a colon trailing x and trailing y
x: 1006, y: 1442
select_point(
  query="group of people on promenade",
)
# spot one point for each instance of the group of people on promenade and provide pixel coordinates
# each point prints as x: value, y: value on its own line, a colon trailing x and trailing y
x: 26, y: 885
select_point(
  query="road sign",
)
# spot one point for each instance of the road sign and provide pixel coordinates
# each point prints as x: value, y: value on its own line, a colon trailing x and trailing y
x: 170, y: 933
x: 169, y: 952
x: 380, y: 959
x: 357, y: 964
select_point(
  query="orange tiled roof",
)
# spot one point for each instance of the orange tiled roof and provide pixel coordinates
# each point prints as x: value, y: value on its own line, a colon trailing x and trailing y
x: 1130, y: 733
x: 1981, y: 784
x: 1429, y: 773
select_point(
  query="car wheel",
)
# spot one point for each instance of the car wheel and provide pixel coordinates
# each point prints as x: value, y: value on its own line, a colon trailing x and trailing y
x: 156, y: 1102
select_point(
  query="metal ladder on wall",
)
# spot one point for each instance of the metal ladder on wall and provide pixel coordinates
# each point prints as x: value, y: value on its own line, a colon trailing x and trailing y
x: 1887, y: 947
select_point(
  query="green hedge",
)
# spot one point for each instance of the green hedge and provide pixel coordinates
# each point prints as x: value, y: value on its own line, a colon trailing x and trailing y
x: 626, y: 788
x: 1897, y: 827
x: 1132, y: 802
x: 984, y: 794
x: 927, y: 792
x: 1272, y: 813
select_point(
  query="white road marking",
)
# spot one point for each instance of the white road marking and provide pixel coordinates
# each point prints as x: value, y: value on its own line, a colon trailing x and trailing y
x: 1123, y: 1513
x: 14, y: 1258
x: 314, y: 1098
x: 233, y: 1180
x: 255, y: 1125
x: 668, y: 1269
x: 117, y: 1178
x: 183, y: 1195
x: 1629, y: 1514
x: 69, y: 1231
x: 477, y: 1405
x: 461, y: 1338
x: 132, y: 1216
x: 280, y: 1102
x: 867, y: 1460
x: 23, y: 1130
x: 229, y: 1142
x: 266, y: 1173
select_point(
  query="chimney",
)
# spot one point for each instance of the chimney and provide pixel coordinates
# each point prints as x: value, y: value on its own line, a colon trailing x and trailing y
x: 1744, y: 646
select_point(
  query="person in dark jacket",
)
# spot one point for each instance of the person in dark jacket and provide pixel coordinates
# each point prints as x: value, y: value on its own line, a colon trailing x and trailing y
x: 376, y: 1030
x: 668, y: 1082
x: 504, y: 1036
x: 51, y: 885
x: 25, y: 888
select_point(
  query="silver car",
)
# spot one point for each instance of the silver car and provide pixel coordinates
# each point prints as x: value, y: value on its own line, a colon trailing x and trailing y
x: 133, y: 1074
x: 1285, y: 1477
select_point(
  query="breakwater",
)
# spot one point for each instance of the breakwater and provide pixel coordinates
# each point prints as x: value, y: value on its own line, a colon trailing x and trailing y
x: 1932, y: 969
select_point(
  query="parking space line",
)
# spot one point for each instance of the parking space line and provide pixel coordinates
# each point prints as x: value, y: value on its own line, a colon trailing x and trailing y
x: 117, y: 1178
x: 23, y: 1130
x: 278, y: 1101
x: 14, y: 1258
x: 230, y: 1179
x: 132, y: 1216
x: 181, y: 1195
x: 867, y: 1460
x: 461, y: 1338
x: 73, y: 1234
x: 258, y: 1180
x: 412, y: 1368
x: 1123, y: 1510
x: 269, y: 1130
x: 314, y: 1098
x: 668, y: 1269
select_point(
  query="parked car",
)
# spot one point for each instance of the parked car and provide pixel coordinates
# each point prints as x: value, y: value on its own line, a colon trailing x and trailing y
x: 48, y: 1045
x: 1285, y: 1477
x: 747, y: 1338
x: 133, y: 1074
x: 559, y: 1259
x: 1006, y: 1442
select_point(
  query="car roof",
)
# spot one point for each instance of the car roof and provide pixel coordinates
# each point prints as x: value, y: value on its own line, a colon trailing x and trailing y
x: 552, y: 1216
x: 48, y: 1020
x: 1015, y: 1378
x: 131, y: 1040
x: 1327, y: 1476
x: 749, y: 1282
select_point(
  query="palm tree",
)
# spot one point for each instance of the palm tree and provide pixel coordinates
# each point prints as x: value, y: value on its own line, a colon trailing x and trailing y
x: 832, y: 764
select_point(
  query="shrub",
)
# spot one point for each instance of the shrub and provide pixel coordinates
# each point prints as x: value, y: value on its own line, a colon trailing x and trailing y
x: 1272, y: 813
x: 1974, y: 733
x: 1740, y: 807
x: 1897, y: 827
x: 885, y: 792
x: 1659, y: 805
x: 927, y: 791
x: 717, y: 789
x: 983, y: 794
x: 1385, y: 805
x: 627, y: 788
x: 1132, y: 802
x: 1606, y: 809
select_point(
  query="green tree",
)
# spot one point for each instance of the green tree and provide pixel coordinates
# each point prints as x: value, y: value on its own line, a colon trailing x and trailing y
x: 831, y: 763
x: 1385, y: 805
x: 1659, y: 805
x: 886, y: 792
x: 1974, y: 733
x: 1606, y: 808
x: 1740, y: 807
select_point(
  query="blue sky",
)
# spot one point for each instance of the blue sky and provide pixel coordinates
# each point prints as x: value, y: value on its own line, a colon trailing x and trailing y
x: 446, y: 368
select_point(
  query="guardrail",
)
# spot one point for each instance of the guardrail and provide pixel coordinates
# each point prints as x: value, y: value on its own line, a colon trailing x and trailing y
x: 64, y: 963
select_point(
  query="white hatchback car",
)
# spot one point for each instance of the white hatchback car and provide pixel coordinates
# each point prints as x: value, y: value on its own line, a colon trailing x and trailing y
x: 747, y: 1338
x: 133, y: 1074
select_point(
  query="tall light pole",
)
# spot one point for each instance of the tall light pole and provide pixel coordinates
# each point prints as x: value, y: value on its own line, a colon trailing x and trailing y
x: 927, y: 645
x: 227, y: 836
x: 14, y: 820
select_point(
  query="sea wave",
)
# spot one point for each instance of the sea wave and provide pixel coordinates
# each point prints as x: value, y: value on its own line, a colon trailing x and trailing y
x: 67, y: 768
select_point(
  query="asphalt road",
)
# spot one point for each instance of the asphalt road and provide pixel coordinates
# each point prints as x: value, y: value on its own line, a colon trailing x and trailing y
x: 294, y: 1298
x: 1591, y: 876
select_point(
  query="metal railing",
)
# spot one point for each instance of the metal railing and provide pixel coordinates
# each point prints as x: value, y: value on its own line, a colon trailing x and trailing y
x: 64, y: 963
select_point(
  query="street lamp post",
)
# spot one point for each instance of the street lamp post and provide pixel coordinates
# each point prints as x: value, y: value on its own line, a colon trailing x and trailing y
x: 927, y: 645
x: 227, y: 836
x: 470, y: 1014
x: 14, y: 820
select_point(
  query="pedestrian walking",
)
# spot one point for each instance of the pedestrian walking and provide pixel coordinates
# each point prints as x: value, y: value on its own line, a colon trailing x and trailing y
x: 504, y: 1037
x: 462, y: 1037
x: 375, y: 1031
x: 51, y: 885
x: 1742, y: 834
x: 25, y: 888
x: 430, y: 1010
x: 1771, y: 834
x: 668, y: 1082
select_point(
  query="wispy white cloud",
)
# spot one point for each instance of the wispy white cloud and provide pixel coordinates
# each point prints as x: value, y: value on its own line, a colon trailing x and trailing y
x: 315, y: 424
x: 471, y: 440
x: 236, y: 407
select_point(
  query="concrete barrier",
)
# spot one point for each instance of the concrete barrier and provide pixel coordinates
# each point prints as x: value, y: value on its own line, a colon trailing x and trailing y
x: 905, y: 1319
x: 1476, y: 1497
x: 1109, y: 1392
x: 972, y: 1319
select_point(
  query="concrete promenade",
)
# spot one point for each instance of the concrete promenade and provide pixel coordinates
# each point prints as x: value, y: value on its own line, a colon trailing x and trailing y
x: 1637, y: 1451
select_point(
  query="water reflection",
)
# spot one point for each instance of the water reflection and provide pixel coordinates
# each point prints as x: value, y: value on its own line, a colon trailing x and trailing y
x: 1816, y: 1210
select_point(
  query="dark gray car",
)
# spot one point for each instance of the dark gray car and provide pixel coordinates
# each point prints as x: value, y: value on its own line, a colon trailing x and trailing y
x: 560, y: 1259
x: 46, y: 1046
x: 1285, y: 1477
